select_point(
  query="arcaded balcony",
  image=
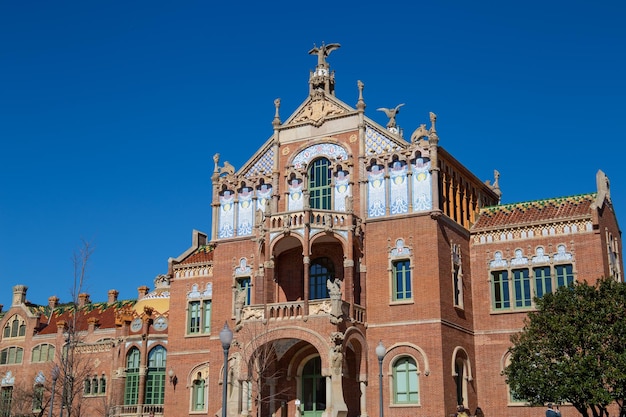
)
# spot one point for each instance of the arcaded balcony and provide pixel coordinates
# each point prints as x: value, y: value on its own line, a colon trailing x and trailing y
x: 322, y: 219
x: 294, y: 310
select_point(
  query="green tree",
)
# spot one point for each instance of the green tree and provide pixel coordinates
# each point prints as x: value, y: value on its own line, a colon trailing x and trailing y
x: 573, y: 349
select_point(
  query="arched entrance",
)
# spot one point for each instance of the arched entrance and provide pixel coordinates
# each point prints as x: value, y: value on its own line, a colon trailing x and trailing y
x: 313, y: 388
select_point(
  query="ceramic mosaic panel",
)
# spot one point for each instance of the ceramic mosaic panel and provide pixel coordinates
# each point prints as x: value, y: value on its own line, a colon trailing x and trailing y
x: 342, y: 189
x: 329, y: 150
x: 245, y: 215
x: 264, y: 194
x: 263, y: 166
x: 226, y: 226
x: 295, y: 195
x: 398, y: 190
x: 422, y: 185
x: 377, y: 143
x: 376, y: 203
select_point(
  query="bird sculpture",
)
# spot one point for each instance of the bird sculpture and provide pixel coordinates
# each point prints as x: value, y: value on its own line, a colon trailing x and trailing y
x: 391, y: 114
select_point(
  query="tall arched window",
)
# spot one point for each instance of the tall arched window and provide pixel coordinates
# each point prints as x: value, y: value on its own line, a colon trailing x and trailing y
x: 198, y: 394
x: 313, y: 388
x: 321, y: 270
x: 405, y: 382
x: 319, y: 184
x: 131, y: 391
x: 155, y: 381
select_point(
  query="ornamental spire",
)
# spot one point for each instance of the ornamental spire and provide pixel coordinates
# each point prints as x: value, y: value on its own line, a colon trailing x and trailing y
x: 322, y: 79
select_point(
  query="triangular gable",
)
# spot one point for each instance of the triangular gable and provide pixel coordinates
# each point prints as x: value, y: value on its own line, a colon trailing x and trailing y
x: 317, y: 109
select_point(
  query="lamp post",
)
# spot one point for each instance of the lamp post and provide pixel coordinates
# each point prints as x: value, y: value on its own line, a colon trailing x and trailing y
x: 226, y: 337
x: 55, y: 376
x: 380, y: 352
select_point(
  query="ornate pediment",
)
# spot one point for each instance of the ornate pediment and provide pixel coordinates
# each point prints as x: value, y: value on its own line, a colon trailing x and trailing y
x: 317, y: 111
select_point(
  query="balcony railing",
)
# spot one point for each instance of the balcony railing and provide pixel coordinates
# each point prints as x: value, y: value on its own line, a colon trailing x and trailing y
x: 291, y: 310
x: 144, y: 410
x: 324, y: 219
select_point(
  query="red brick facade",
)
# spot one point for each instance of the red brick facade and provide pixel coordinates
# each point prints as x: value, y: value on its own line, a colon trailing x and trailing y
x: 312, y: 276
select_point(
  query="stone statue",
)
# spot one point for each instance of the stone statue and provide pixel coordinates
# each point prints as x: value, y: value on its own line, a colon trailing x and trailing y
x: 322, y: 52
x: 391, y: 114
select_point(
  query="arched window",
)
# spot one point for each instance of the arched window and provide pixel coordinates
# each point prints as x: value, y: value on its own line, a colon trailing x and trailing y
x: 313, y: 388
x: 11, y: 355
x: 131, y: 391
x: 43, y: 353
x: 198, y: 395
x: 320, y: 272
x: 14, y: 327
x: 155, y: 381
x: 87, y: 390
x: 103, y: 384
x: 405, y: 382
x: 319, y: 184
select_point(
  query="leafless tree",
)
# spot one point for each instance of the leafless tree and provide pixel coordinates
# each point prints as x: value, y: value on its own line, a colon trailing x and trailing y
x: 75, y: 367
x: 264, y: 372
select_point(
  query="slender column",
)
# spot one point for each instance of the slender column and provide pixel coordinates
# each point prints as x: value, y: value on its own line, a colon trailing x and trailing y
x: 306, y: 263
x: 363, y: 387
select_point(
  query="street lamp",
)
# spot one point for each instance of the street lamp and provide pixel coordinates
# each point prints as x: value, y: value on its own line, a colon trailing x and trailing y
x: 380, y: 352
x: 226, y: 337
x: 55, y: 375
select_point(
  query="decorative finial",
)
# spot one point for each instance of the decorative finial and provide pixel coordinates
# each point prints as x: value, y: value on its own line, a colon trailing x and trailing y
x: 276, y: 121
x: 361, y: 103
x: 433, y: 119
x: 216, y: 161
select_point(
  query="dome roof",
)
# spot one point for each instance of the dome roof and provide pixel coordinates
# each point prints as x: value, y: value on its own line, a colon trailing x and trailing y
x: 158, y: 300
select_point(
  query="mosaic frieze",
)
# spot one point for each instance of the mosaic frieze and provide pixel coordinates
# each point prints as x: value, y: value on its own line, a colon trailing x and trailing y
x: 329, y: 150
x: 533, y: 232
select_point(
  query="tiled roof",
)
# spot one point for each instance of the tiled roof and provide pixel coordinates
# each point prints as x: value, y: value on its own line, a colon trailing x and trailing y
x: 530, y: 212
x: 202, y: 255
x: 104, y: 312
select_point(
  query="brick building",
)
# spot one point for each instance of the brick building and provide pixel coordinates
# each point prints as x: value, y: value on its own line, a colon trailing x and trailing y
x: 337, y: 237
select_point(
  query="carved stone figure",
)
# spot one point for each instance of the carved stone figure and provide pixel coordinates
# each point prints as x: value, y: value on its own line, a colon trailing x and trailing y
x: 391, y: 114
x: 322, y: 52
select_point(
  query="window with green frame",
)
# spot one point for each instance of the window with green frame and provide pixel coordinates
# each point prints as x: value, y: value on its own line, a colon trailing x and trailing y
x: 11, y: 355
x: 14, y: 327
x: 103, y: 385
x: 405, y: 381
x: 199, y: 317
x: 543, y: 280
x: 521, y: 286
x: 6, y: 396
x: 500, y: 290
x: 198, y: 394
x: 131, y: 389
x: 564, y: 275
x: 43, y: 353
x: 320, y: 190
x: 155, y: 379
x: 38, y: 391
x: 402, y: 280
x: 320, y: 271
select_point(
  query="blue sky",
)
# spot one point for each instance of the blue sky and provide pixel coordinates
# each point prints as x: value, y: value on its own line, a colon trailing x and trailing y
x: 110, y: 112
